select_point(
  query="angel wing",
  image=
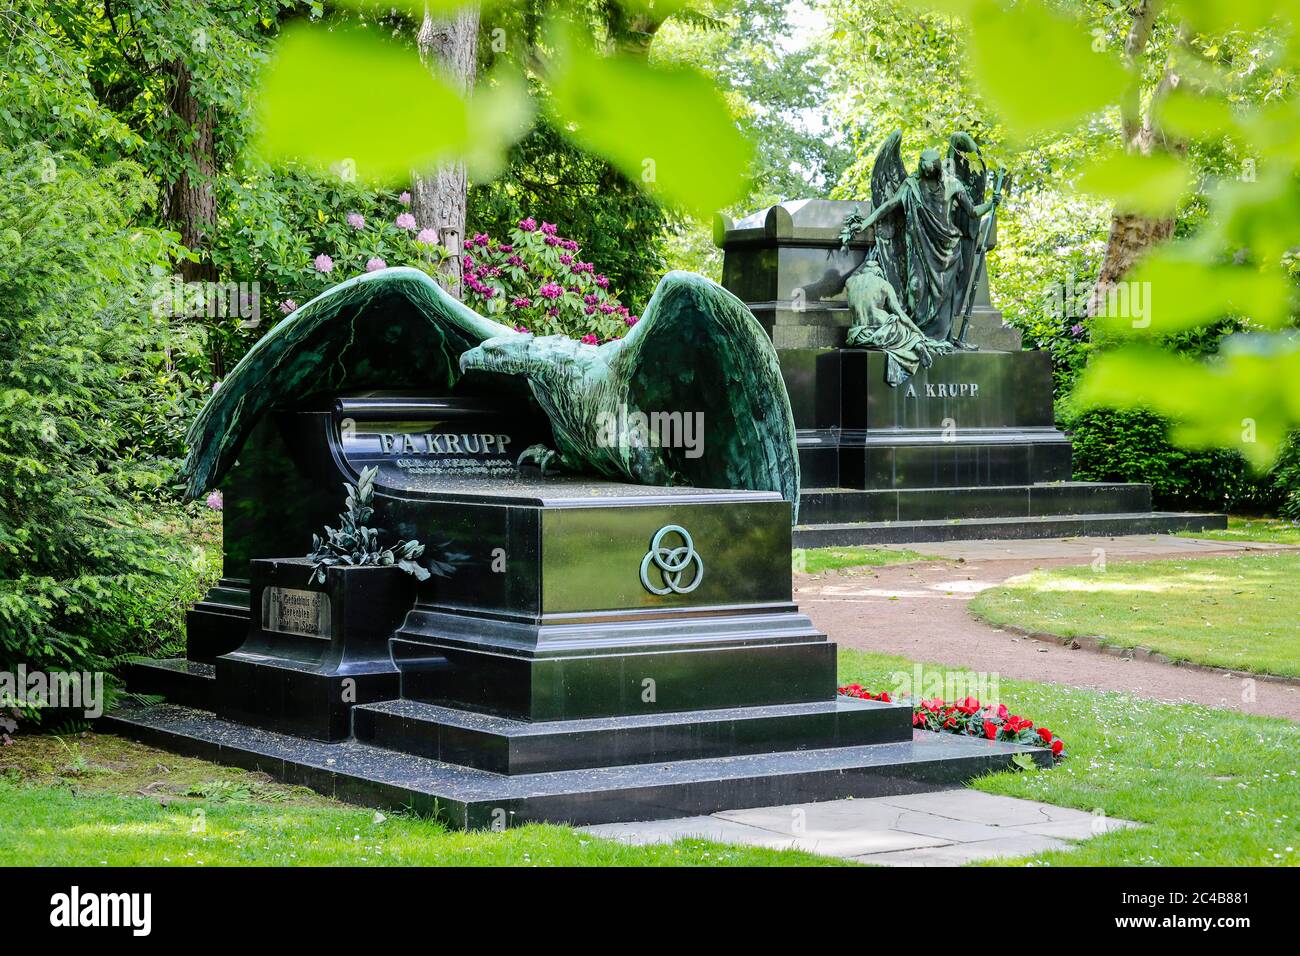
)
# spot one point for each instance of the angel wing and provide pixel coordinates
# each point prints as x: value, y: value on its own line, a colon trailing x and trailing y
x: 961, y: 149
x: 698, y: 348
x: 394, y: 329
x: 887, y: 175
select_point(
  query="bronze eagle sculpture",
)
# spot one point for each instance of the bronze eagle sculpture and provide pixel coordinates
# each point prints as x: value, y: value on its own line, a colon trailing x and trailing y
x: 696, y: 351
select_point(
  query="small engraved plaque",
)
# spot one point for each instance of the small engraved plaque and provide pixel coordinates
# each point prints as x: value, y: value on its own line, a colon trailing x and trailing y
x: 293, y: 611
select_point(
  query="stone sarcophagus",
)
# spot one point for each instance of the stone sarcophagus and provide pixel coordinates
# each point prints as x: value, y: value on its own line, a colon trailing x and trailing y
x: 584, y: 648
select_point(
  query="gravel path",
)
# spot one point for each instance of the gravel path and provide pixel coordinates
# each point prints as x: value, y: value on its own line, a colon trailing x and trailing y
x: 919, y: 611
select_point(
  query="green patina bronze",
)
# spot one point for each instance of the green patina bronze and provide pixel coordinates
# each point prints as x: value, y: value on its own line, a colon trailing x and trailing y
x: 879, y: 322
x: 697, y: 351
x: 928, y: 238
x: 696, y: 356
x: 395, y: 329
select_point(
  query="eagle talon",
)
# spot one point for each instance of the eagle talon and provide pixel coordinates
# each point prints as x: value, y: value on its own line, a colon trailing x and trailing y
x: 540, y: 455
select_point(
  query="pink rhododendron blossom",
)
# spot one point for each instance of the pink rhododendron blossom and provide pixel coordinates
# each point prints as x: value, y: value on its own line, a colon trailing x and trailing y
x: 522, y: 328
x: 375, y: 264
x: 521, y: 302
x: 566, y: 259
x: 288, y: 306
x: 404, y: 199
x: 215, y: 501
x: 528, y: 225
x: 590, y: 339
x: 548, y: 228
x: 480, y: 239
x: 632, y: 320
x: 551, y: 241
x: 550, y: 291
x: 602, y: 282
x: 323, y: 263
x: 405, y: 220
x: 356, y: 220
x: 427, y: 237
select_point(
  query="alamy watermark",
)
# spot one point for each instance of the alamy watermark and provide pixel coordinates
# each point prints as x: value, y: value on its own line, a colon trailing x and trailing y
x: 175, y: 297
x: 64, y: 690
x: 624, y: 429
x: 948, y: 685
x: 1071, y: 299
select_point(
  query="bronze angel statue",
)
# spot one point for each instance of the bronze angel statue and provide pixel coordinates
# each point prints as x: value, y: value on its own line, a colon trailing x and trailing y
x: 930, y: 229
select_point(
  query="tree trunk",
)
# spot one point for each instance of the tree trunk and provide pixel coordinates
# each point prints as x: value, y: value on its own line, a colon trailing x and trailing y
x: 1131, y: 234
x: 190, y: 203
x: 438, y: 197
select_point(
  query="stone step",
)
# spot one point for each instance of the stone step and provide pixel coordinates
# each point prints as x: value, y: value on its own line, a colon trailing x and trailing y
x: 818, y: 506
x: 506, y: 746
x: 464, y: 797
x: 181, y: 681
x: 969, y: 529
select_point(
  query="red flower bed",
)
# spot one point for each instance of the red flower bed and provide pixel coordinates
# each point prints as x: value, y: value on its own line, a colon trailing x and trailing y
x: 968, y: 716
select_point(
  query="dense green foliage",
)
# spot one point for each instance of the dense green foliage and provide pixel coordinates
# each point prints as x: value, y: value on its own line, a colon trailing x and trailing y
x: 622, y: 230
x: 1134, y: 446
x: 539, y: 282
x: 89, y: 392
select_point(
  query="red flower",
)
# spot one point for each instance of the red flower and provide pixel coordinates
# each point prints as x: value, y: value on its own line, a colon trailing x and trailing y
x: 1015, y: 724
x: 1002, y: 711
x: 991, y: 729
x: 1046, y: 734
x: 1057, y: 746
x: 932, y: 705
x: 884, y: 696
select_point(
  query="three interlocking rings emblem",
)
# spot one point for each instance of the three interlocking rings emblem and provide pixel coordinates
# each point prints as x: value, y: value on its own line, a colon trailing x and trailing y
x: 673, y: 563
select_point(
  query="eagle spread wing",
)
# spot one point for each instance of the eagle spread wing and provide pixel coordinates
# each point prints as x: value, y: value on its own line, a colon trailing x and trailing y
x: 698, y: 349
x: 392, y: 329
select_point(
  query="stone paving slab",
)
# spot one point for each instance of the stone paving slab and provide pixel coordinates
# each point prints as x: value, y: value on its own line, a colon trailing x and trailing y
x: 944, y: 828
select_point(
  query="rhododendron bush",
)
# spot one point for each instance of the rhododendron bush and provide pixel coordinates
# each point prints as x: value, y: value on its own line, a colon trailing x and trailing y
x: 538, y: 282
x: 970, y: 718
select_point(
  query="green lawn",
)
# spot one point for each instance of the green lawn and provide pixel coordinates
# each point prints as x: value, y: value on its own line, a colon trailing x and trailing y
x: 817, y: 560
x: 1239, y: 612
x: 96, y: 800
x: 1270, y: 530
x: 1214, y: 787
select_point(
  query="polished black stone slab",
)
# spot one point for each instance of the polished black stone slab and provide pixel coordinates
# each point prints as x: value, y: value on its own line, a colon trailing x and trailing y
x: 464, y: 797
x: 181, y: 681
x: 847, y: 389
x: 299, y: 681
x: 619, y: 668
x: 507, y: 746
x: 218, y: 623
x: 974, y: 529
x: 844, y: 505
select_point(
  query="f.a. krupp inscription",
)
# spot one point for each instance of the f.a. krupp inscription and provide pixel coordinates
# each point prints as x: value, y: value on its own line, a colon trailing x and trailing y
x: 423, y: 448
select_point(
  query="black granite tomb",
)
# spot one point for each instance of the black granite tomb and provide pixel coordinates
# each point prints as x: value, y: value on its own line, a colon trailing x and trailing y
x: 596, y: 651
x: 965, y: 449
